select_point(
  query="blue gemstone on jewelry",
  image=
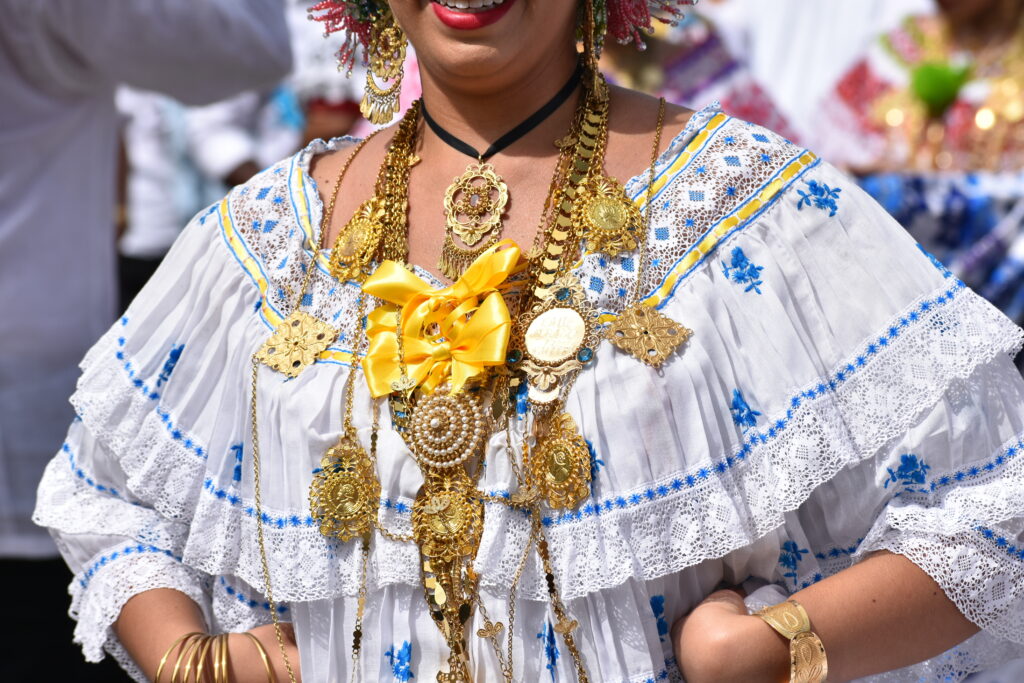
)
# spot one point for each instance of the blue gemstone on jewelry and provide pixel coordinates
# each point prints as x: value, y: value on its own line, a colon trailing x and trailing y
x: 585, y: 355
x: 514, y: 356
x: 562, y: 294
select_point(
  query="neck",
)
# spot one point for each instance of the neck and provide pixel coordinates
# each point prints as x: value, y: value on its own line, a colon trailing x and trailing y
x: 480, y: 114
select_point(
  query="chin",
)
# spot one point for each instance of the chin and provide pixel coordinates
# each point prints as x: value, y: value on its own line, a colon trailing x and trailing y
x: 484, y: 39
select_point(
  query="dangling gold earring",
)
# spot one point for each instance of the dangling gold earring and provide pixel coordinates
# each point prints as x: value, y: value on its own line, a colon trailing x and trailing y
x: 387, y: 55
x: 590, y: 40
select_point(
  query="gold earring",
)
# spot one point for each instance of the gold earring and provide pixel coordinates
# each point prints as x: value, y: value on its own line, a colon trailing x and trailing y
x: 590, y: 39
x: 387, y: 55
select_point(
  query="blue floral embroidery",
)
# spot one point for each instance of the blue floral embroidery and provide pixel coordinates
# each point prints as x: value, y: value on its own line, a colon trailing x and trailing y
x: 596, y: 463
x: 743, y: 271
x: 911, y: 472
x: 172, y: 360
x: 547, y: 636
x: 820, y: 196
x: 946, y: 272
x: 742, y: 413
x: 400, y: 658
x: 658, y: 607
x: 791, y: 556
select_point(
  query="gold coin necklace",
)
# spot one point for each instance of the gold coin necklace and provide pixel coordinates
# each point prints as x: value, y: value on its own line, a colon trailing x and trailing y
x: 475, y: 201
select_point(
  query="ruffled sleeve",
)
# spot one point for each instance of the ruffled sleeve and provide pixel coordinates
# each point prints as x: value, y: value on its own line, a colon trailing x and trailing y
x: 161, y: 409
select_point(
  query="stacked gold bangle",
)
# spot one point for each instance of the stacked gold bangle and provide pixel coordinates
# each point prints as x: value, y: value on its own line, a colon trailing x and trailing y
x: 197, y: 650
x: 807, y: 661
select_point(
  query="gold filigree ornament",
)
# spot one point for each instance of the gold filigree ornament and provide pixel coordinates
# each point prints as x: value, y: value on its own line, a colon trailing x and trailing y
x: 647, y: 335
x: 447, y: 517
x: 357, y: 242
x: 448, y: 429
x: 611, y: 222
x: 555, y: 339
x: 475, y: 202
x: 296, y: 343
x: 561, y: 463
x: 386, y: 53
x: 345, y: 491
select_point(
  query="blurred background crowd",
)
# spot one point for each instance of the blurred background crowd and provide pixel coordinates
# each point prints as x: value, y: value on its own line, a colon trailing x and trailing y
x: 119, y: 121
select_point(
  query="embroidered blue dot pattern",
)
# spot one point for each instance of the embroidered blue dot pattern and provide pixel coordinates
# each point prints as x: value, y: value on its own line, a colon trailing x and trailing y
x: 252, y: 603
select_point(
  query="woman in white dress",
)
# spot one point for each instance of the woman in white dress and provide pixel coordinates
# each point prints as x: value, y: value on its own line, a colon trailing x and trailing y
x: 734, y: 369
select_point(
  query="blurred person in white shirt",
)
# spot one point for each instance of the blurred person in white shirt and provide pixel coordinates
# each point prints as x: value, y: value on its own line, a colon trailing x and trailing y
x: 60, y: 62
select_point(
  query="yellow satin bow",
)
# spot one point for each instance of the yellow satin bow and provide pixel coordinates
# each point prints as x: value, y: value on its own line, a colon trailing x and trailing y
x: 448, y: 335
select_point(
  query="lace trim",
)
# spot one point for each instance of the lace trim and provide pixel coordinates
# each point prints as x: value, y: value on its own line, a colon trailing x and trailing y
x: 670, y: 525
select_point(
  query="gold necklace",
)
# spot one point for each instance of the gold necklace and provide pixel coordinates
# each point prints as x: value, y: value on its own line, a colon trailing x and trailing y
x: 475, y: 201
x: 642, y: 331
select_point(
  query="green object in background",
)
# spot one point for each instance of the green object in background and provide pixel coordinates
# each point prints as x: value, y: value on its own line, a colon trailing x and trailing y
x: 937, y: 84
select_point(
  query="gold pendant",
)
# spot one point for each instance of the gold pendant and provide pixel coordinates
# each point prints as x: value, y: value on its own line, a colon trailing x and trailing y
x: 555, y: 339
x: 646, y: 334
x: 610, y: 222
x: 447, y: 518
x: 345, y: 492
x: 474, y: 203
x: 447, y: 429
x: 357, y: 243
x: 296, y: 343
x: 387, y: 55
x: 561, y: 463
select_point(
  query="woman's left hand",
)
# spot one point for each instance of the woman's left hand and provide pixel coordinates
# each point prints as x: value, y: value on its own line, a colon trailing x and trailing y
x: 720, y: 642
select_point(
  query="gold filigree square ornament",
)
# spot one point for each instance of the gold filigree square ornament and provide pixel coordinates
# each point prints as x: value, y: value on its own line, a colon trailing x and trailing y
x: 296, y: 343
x: 556, y: 338
x: 647, y: 335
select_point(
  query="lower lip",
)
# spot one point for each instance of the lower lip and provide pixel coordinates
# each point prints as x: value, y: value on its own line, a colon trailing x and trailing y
x: 467, y: 21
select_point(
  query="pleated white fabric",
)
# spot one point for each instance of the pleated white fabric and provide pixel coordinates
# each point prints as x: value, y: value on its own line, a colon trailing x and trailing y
x: 842, y: 393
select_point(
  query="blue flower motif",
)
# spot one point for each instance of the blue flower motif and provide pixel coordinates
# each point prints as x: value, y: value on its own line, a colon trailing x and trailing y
x: 596, y: 463
x: 819, y: 195
x: 742, y: 414
x: 910, y: 473
x: 743, y: 271
x: 172, y: 360
x: 547, y: 636
x: 400, y: 659
x: 791, y: 556
x: 658, y: 607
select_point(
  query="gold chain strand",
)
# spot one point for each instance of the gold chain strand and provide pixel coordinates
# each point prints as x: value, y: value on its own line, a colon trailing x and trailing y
x: 641, y: 259
x: 257, y: 489
x: 565, y: 625
x: 325, y: 224
x: 357, y: 633
x: 258, y: 500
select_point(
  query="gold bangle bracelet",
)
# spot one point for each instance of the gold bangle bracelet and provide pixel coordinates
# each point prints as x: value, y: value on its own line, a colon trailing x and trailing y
x: 204, y: 652
x: 187, y: 649
x: 167, y: 654
x: 807, y: 660
x: 271, y: 676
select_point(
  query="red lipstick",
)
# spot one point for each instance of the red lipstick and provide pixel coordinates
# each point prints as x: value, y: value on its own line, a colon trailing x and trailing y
x: 467, y: 21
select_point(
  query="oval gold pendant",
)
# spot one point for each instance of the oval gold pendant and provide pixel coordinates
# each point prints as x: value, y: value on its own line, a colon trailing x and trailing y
x: 344, y: 495
x: 357, y: 243
x: 610, y: 222
x: 474, y: 203
x: 561, y: 463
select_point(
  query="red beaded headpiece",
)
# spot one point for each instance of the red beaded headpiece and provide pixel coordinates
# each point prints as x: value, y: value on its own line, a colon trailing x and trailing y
x: 625, y: 19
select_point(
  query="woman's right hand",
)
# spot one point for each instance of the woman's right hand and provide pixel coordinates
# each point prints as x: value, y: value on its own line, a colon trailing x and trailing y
x: 246, y: 665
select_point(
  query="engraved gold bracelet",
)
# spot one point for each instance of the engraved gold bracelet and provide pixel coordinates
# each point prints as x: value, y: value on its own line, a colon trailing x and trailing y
x: 807, y: 660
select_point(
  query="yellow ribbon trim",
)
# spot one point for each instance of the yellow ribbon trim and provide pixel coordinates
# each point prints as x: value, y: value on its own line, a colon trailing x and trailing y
x: 451, y: 334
